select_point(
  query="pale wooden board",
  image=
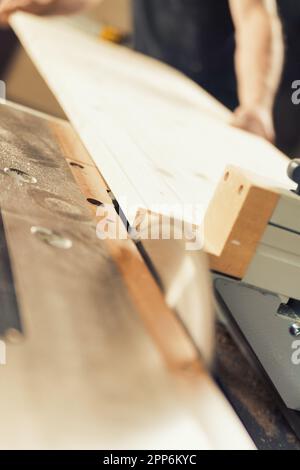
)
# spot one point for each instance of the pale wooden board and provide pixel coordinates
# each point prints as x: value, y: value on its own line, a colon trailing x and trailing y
x: 156, y: 137
x: 87, y: 373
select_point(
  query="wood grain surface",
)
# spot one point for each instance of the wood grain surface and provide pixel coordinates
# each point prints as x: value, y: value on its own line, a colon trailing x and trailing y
x: 236, y: 220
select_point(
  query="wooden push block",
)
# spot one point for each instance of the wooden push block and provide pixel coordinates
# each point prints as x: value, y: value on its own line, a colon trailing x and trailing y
x: 236, y: 219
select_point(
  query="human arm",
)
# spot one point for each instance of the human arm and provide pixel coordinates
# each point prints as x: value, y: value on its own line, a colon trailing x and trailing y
x: 258, y: 61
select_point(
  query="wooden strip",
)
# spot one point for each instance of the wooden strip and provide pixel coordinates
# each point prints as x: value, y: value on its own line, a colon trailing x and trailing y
x: 82, y: 166
x: 70, y: 143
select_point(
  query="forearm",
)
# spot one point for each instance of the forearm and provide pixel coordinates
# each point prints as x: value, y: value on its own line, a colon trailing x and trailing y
x: 259, y: 58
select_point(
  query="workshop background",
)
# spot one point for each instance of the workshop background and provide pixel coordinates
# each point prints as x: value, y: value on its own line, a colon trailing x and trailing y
x: 23, y: 82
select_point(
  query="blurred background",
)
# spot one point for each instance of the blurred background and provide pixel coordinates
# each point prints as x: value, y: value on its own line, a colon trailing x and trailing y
x: 25, y: 86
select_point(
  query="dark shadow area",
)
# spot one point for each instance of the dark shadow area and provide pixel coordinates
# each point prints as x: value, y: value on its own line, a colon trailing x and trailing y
x: 287, y: 114
x: 8, y: 45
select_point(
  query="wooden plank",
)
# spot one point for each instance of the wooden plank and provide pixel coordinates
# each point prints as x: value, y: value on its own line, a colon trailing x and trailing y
x: 86, y: 373
x: 157, y: 138
x: 236, y: 220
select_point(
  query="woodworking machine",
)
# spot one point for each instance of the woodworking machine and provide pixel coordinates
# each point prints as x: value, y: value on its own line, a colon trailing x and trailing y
x: 138, y: 125
x: 252, y: 232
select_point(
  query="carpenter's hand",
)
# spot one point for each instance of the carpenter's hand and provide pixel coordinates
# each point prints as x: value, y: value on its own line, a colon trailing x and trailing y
x: 258, y: 121
x: 42, y: 7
